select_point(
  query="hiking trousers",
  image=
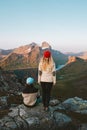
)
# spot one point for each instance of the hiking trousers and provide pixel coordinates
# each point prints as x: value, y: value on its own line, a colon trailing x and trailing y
x: 46, y: 92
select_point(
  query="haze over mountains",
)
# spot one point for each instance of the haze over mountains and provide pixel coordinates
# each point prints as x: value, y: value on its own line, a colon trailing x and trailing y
x: 82, y: 55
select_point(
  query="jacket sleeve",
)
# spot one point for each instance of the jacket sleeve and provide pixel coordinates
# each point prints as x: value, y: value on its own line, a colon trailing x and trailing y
x: 54, y: 74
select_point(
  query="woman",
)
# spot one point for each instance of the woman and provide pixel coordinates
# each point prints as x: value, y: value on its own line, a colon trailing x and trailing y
x: 46, y: 77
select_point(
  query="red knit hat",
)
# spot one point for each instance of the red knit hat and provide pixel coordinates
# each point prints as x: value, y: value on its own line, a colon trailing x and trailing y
x: 47, y: 54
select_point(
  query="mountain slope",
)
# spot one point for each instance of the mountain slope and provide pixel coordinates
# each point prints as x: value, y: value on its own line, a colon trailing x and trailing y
x: 72, y: 80
x: 75, y: 68
x: 22, y: 57
x: 29, y: 56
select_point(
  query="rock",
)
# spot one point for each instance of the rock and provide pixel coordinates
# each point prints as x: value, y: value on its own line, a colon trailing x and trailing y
x: 35, y: 118
x: 54, y: 102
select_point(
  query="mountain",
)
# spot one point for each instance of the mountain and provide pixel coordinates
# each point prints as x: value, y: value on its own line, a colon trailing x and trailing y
x: 74, y: 67
x: 72, y: 79
x: 45, y: 45
x: 22, y: 57
x: 82, y: 55
x: 74, y: 59
x: 29, y: 55
x: 3, y: 53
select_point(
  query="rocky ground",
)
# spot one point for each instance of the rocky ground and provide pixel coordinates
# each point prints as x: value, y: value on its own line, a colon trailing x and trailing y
x: 63, y: 114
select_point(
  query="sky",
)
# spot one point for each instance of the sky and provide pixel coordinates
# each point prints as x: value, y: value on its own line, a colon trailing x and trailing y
x: 61, y: 23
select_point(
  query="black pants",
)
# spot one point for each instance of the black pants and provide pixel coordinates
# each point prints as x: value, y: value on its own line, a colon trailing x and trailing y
x: 46, y: 92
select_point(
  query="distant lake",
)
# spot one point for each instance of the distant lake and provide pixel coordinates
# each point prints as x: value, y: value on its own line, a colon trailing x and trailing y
x: 60, y: 67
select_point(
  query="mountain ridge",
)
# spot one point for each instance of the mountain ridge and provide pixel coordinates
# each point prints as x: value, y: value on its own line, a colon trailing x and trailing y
x: 29, y: 56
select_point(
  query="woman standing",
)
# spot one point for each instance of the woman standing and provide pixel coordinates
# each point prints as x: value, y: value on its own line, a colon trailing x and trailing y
x: 46, y: 77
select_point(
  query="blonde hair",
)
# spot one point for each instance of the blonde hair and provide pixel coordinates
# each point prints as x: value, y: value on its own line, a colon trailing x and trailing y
x: 46, y: 63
